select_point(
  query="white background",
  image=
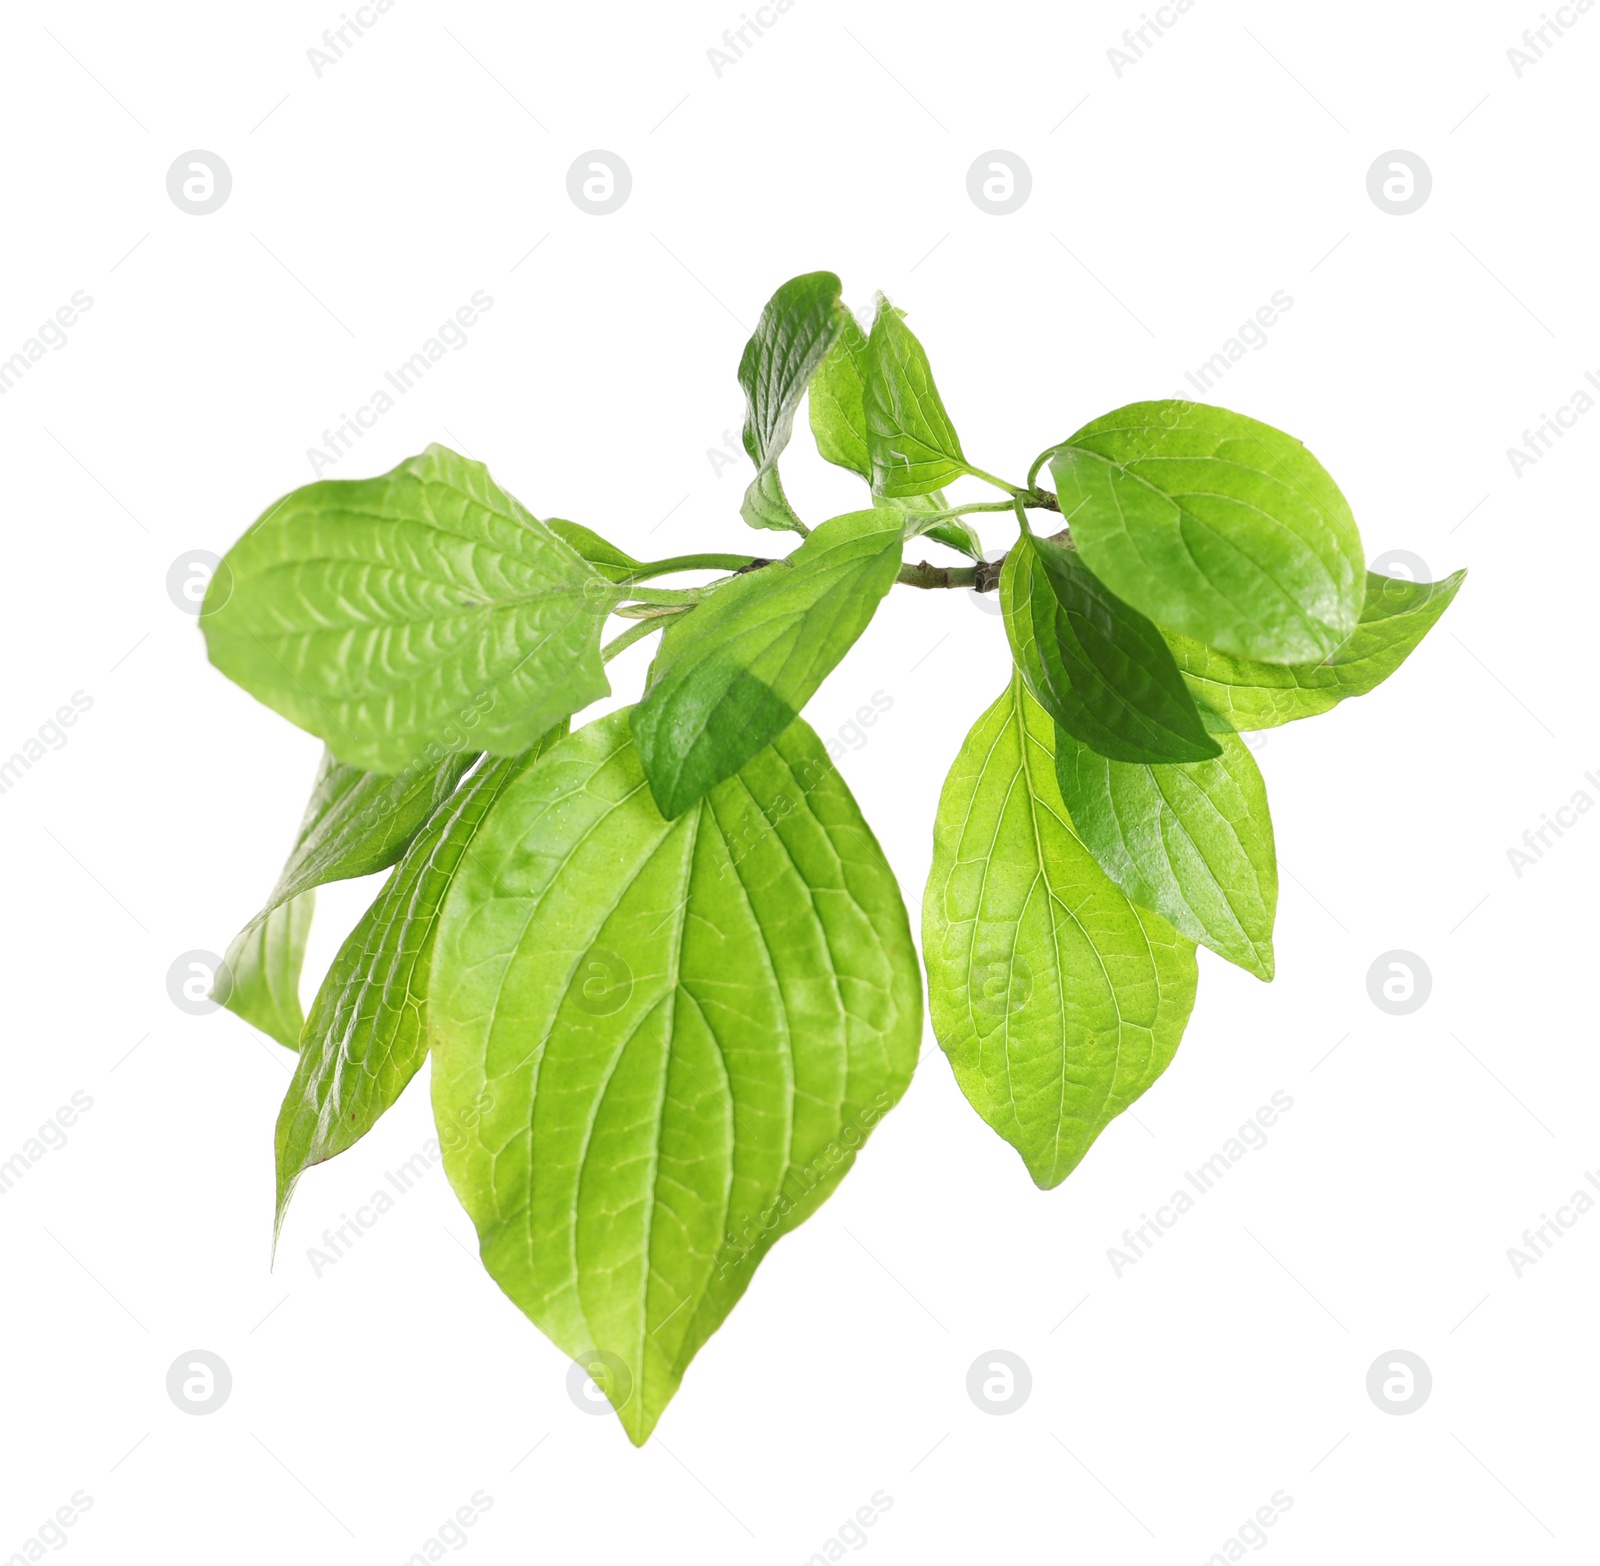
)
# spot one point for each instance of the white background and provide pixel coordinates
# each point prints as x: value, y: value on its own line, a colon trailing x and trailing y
x: 1168, y: 203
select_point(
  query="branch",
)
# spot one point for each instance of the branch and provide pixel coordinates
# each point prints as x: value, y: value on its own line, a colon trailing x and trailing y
x: 981, y: 577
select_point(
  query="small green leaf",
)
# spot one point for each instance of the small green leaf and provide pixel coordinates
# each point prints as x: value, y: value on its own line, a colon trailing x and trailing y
x: 1057, y: 1000
x: 421, y: 612
x: 1098, y: 667
x: 367, y: 1033
x: 795, y: 331
x: 766, y: 505
x: 838, y: 392
x: 1396, y: 616
x: 958, y: 535
x: 839, y: 425
x: 1215, y: 526
x: 263, y: 970
x: 911, y: 444
x: 1191, y: 843
x: 615, y: 565
x: 733, y: 672
x: 954, y: 532
x: 662, y: 1041
x: 355, y: 823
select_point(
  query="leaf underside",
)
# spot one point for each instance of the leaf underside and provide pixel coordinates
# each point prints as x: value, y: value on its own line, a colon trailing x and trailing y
x: 795, y: 331
x: 408, y: 616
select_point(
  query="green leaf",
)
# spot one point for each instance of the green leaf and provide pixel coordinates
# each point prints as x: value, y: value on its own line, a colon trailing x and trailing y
x: 1192, y: 843
x: 958, y: 535
x: 670, y: 1036
x: 911, y: 444
x: 795, y: 331
x: 954, y: 532
x: 838, y: 392
x: 1215, y: 526
x: 367, y: 1033
x: 420, y: 612
x: 355, y: 823
x: 1057, y: 1000
x: 262, y: 970
x: 839, y: 426
x: 732, y: 673
x: 766, y: 505
x: 1098, y: 667
x: 1396, y: 616
x: 615, y: 565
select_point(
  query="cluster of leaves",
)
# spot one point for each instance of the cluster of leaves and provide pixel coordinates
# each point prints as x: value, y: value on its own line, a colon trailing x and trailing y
x: 660, y: 963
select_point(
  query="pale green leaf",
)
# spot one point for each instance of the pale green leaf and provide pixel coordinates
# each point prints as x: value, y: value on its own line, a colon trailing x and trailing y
x: 1192, y: 843
x: 615, y: 565
x: 409, y: 615
x: 839, y: 426
x: 953, y: 532
x: 957, y: 533
x: 1057, y: 1000
x: 911, y: 444
x: 670, y: 1038
x: 1215, y: 526
x: 1395, y: 617
x: 261, y: 970
x: 837, y: 407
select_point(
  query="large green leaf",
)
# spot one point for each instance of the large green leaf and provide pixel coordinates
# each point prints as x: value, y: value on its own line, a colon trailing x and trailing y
x: 261, y: 978
x: 1215, y: 526
x: 367, y: 1033
x: 1395, y: 617
x: 1057, y: 1000
x: 672, y: 1037
x: 1098, y: 667
x: 1192, y: 843
x: 732, y: 673
x: 795, y: 331
x: 420, y: 612
x: 911, y: 444
x: 839, y: 425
